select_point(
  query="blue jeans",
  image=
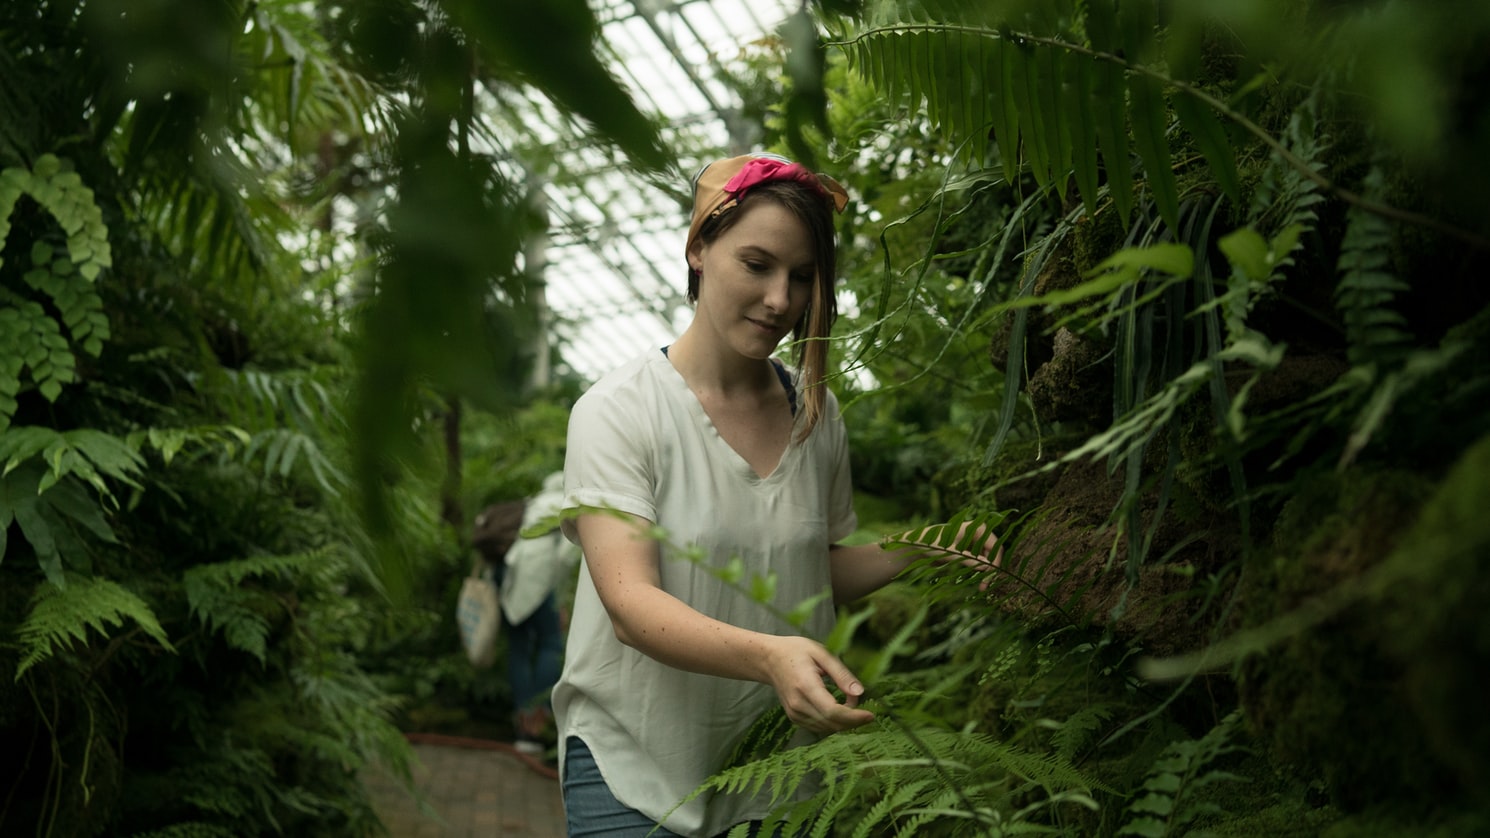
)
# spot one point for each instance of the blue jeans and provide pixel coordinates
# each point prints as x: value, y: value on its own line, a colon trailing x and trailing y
x: 535, y: 650
x: 591, y: 809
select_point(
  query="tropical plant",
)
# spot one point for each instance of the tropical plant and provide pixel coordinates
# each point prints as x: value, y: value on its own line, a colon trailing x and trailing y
x: 1201, y: 243
x: 1181, y: 296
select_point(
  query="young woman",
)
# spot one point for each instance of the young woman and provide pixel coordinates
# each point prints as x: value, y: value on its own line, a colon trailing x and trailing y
x: 734, y: 455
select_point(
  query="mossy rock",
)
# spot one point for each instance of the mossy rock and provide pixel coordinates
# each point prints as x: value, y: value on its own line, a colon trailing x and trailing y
x: 1375, y: 703
x: 1434, y: 625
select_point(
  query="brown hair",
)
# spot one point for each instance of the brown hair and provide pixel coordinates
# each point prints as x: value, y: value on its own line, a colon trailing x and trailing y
x: 811, y: 332
x: 497, y: 528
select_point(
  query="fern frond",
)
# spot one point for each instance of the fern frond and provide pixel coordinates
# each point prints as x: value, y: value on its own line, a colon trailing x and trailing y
x: 282, y: 449
x: 1169, y: 799
x: 169, y: 442
x: 31, y: 339
x: 1376, y: 333
x: 59, y: 618
x: 1075, y: 732
x: 898, y: 775
x: 215, y: 596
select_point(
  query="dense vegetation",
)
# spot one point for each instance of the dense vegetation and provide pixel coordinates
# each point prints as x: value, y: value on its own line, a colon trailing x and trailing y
x: 1189, y: 304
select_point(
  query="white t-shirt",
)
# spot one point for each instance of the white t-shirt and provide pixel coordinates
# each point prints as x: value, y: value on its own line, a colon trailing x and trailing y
x: 640, y: 442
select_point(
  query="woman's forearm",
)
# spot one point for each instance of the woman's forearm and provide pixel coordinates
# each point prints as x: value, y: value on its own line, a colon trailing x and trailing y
x: 865, y: 568
x: 664, y: 628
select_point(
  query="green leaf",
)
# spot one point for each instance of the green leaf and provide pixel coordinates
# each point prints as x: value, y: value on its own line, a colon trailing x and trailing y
x: 763, y: 588
x: 1119, y: 269
x: 1247, y: 251
x: 802, y: 611
x: 69, y: 498
x: 1107, y: 104
x: 1145, y: 827
x: 1006, y: 117
x: 1165, y: 782
x: 1210, y: 137
x: 1137, y: 22
x: 841, y: 637
x: 1052, y: 102
x: 1149, y: 118
x: 733, y: 571
x: 1083, y: 133
x: 1025, y: 77
x: 38, y: 533
x: 1159, y: 804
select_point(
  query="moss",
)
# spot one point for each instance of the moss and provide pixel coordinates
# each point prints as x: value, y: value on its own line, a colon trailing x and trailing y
x: 1384, y: 822
x: 1335, y: 703
x: 1096, y: 238
x: 1259, y: 801
x: 1432, y: 618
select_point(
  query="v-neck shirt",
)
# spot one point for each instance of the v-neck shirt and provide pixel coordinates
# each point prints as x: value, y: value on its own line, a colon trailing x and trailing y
x: 783, y: 375
x: 640, y: 442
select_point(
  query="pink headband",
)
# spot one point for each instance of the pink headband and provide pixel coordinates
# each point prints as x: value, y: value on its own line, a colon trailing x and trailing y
x: 721, y: 185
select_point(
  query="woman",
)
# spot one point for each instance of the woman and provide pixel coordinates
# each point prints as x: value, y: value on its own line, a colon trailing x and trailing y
x: 733, y: 455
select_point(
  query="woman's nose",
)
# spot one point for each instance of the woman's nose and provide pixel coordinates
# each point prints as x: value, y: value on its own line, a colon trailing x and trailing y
x: 778, y: 292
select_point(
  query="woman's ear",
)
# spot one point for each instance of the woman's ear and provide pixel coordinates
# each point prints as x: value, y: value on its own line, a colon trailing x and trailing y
x: 696, y: 257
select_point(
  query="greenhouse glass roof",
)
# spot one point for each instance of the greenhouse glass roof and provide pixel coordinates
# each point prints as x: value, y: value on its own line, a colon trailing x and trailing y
x: 613, y: 262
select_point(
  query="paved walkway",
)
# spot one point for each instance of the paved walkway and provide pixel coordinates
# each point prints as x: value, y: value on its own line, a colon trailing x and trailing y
x: 471, y: 788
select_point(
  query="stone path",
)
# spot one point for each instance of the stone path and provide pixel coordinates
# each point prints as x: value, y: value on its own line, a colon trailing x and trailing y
x: 470, y: 787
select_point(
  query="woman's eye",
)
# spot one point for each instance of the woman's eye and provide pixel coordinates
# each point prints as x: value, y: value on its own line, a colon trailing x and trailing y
x: 805, y: 279
x: 755, y: 267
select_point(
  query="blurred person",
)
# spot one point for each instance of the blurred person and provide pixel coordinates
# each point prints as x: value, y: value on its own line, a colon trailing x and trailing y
x: 537, y: 567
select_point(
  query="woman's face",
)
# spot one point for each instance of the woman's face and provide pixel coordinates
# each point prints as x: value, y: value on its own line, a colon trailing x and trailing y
x: 756, y: 279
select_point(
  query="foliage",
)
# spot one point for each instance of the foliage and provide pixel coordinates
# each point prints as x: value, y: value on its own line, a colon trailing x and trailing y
x: 37, y: 344
x: 1168, y: 804
x: 59, y: 617
x: 1224, y: 214
x: 1226, y: 253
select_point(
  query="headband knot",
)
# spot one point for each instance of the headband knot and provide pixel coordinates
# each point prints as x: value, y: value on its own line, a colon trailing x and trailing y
x: 765, y: 169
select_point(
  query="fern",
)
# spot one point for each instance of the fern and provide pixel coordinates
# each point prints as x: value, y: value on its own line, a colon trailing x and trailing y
x: 1173, y: 793
x: 217, y: 597
x: 60, y: 617
x: 1047, y: 84
x: 169, y: 442
x: 282, y: 449
x: 31, y: 340
x: 895, y: 773
x: 1075, y: 733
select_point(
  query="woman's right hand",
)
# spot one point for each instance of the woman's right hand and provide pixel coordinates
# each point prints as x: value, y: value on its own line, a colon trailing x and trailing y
x: 797, y: 669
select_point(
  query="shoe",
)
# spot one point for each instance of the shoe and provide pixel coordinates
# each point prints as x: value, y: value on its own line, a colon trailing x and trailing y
x: 529, y: 747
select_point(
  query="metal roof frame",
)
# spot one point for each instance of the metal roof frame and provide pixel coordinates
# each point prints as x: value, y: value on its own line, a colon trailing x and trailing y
x: 612, y: 263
